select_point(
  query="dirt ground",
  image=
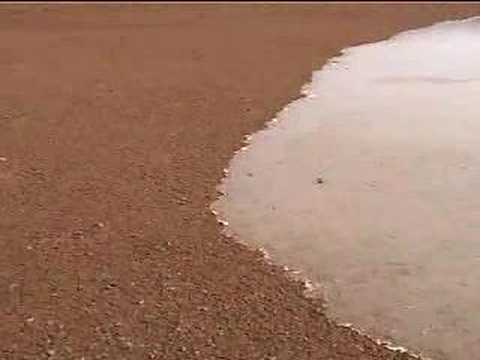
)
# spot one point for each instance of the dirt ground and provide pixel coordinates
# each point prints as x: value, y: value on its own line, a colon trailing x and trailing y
x: 116, y: 123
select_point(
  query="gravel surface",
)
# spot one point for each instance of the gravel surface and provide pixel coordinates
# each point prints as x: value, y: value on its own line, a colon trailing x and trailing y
x: 116, y: 123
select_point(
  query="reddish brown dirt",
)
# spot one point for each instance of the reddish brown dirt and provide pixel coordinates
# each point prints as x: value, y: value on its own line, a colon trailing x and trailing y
x: 115, y: 125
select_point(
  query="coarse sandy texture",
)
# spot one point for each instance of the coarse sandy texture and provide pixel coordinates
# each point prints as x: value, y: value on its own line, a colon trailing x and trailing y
x: 115, y: 125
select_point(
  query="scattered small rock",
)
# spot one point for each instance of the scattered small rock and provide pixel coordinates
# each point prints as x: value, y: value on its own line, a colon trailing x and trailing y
x: 13, y: 286
x: 99, y: 225
x: 78, y: 234
x: 111, y: 285
x: 182, y: 200
x: 51, y: 352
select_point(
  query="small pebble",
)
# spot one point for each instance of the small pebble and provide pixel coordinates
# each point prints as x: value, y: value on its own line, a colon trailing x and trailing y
x: 50, y: 352
x: 78, y: 234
